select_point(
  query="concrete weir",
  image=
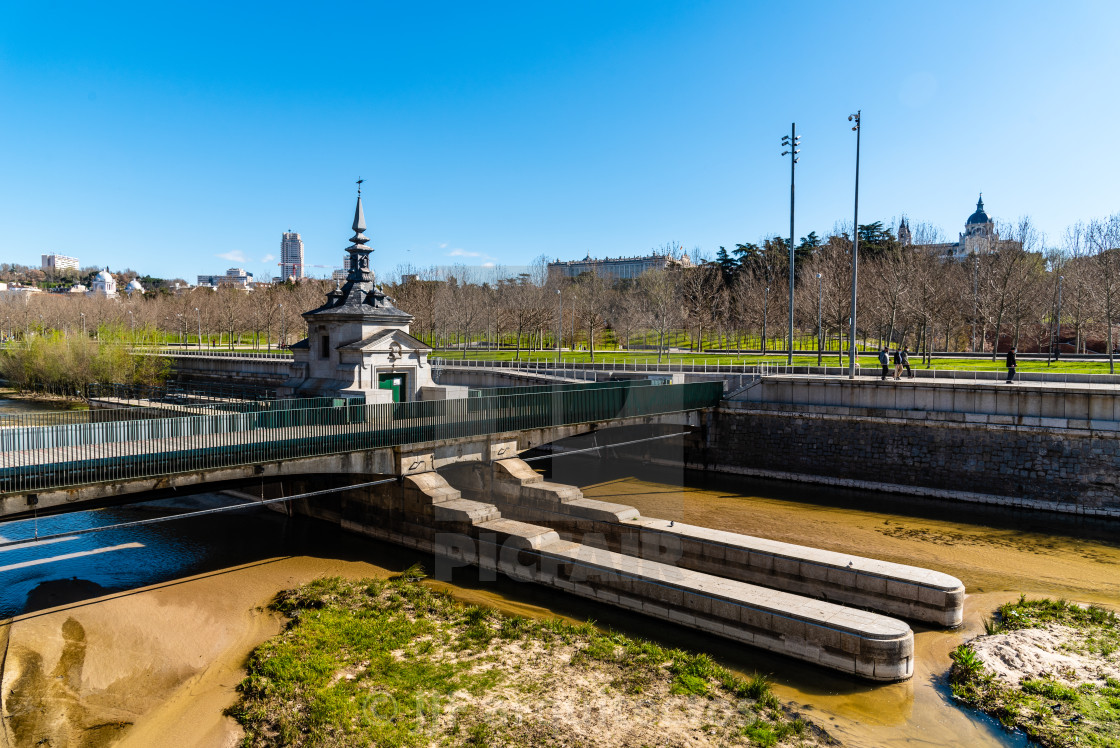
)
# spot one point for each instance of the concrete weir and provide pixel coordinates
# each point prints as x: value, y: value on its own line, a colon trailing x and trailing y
x: 426, y: 512
x: 895, y: 589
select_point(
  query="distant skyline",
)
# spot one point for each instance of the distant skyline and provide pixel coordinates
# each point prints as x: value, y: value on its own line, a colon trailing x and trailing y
x: 183, y: 140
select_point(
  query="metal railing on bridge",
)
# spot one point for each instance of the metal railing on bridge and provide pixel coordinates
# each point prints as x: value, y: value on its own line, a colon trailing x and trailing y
x: 179, y: 392
x: 530, y: 389
x: 155, y: 408
x: 68, y: 455
x: 218, y: 353
x: 571, y: 370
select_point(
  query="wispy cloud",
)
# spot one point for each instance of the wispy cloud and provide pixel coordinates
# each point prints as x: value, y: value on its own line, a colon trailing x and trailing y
x: 235, y: 255
x: 463, y: 253
x: 488, y: 264
x: 268, y: 258
x: 443, y: 245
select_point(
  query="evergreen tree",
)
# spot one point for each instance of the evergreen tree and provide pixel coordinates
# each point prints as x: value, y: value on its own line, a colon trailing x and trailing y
x: 728, y: 265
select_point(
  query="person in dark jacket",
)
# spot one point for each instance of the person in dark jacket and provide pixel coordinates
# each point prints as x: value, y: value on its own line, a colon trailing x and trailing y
x: 896, y: 357
x: 884, y: 362
x: 906, y: 361
x: 1011, y: 364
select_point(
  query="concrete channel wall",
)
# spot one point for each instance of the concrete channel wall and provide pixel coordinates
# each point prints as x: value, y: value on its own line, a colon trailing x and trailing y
x: 1030, y: 447
x: 894, y: 589
x: 427, y: 513
x: 231, y: 370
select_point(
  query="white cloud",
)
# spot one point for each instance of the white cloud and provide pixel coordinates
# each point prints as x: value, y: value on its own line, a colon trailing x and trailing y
x: 443, y: 245
x: 463, y: 253
x: 235, y: 255
x: 487, y: 264
x: 268, y: 258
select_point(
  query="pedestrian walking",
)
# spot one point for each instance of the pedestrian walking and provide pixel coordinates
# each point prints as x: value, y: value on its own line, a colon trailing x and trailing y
x: 1011, y: 364
x: 906, y: 361
x: 896, y: 357
x: 884, y: 362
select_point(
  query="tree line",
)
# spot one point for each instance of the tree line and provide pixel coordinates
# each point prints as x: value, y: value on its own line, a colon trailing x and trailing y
x: 735, y: 300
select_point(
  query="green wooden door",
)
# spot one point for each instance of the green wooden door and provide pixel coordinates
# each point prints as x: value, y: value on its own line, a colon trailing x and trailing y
x: 392, y: 382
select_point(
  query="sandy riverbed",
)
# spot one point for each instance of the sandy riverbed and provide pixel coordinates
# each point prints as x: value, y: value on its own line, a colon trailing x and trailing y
x: 150, y: 667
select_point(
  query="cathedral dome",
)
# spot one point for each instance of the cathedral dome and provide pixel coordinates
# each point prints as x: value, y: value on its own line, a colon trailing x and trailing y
x: 979, y: 216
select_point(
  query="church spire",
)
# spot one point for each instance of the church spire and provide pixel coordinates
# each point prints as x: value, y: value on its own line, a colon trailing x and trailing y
x: 359, y: 252
x: 359, y: 218
x: 980, y: 204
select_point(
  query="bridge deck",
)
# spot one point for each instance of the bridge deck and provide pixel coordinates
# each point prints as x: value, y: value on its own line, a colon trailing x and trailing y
x: 60, y: 456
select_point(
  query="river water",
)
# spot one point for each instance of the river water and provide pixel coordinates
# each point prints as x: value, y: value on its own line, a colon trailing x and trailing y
x: 997, y: 555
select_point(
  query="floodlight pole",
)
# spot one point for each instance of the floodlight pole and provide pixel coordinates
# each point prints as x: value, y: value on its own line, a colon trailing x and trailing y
x: 855, y: 256
x: 791, y: 141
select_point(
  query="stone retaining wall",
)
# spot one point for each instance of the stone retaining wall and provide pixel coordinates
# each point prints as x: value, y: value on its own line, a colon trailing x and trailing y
x: 948, y: 455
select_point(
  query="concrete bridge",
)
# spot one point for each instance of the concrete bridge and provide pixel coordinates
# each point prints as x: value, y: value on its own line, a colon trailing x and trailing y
x: 61, y: 465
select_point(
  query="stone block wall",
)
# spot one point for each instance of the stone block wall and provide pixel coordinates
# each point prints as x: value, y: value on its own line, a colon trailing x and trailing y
x: 942, y: 455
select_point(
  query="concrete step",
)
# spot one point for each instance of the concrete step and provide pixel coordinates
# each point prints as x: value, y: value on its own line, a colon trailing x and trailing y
x: 465, y: 510
x: 546, y: 491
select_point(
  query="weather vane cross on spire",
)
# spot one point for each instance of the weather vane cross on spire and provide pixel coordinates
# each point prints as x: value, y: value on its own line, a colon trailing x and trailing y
x: 360, y: 180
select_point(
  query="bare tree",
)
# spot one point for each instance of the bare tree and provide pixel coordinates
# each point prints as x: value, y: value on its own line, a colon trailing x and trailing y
x: 660, y: 304
x: 1104, y: 242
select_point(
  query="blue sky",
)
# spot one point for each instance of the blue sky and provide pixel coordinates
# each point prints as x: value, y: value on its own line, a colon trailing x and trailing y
x: 177, y: 138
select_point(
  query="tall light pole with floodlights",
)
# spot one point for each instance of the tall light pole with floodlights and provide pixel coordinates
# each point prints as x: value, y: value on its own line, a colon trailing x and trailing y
x: 199, y: 315
x: 820, y: 331
x: 791, y: 142
x: 855, y: 255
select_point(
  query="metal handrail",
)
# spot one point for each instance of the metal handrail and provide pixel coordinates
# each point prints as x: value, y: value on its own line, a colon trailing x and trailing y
x: 51, y: 457
x: 214, y: 353
x: 766, y: 368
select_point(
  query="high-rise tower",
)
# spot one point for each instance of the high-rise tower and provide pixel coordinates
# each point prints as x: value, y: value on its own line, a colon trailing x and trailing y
x: 291, y: 256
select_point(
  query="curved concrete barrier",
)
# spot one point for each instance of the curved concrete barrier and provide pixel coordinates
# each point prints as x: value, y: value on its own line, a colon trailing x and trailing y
x: 896, y: 589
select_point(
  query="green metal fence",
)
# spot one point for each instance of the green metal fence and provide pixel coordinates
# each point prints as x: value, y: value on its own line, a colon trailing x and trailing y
x: 48, y: 457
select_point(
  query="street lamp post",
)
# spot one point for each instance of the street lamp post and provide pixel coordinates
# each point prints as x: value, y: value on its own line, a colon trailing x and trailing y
x: 855, y: 254
x: 283, y: 331
x: 791, y: 142
x: 820, y: 331
x: 975, y: 297
x: 199, y: 315
x: 83, y: 316
x: 559, y: 324
x: 132, y: 321
x: 1058, y: 324
x: 765, y: 312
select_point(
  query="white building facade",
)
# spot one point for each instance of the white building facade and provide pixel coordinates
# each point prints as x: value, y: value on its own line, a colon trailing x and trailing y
x: 291, y: 256
x: 234, y: 277
x: 59, y: 262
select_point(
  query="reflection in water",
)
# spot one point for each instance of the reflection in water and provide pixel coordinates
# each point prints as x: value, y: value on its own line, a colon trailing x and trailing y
x: 996, y: 554
x: 16, y: 406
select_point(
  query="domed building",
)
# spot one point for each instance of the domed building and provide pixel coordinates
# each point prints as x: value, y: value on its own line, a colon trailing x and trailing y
x: 980, y: 233
x: 134, y: 286
x: 979, y: 236
x: 104, y: 284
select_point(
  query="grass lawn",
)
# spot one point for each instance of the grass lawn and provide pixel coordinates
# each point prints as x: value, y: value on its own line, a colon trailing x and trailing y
x: 1047, y: 667
x: 398, y: 664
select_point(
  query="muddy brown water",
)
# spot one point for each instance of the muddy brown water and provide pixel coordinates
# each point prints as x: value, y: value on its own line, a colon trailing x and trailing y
x: 150, y: 638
